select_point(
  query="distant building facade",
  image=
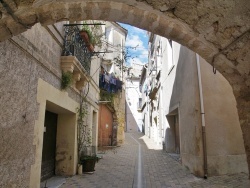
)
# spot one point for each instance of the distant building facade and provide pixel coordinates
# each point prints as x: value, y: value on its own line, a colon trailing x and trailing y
x: 112, y: 96
x: 133, y: 98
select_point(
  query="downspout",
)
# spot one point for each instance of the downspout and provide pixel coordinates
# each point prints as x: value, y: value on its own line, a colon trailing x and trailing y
x: 202, y: 119
x: 126, y: 116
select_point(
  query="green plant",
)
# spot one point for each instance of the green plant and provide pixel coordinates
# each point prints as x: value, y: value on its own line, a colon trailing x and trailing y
x: 126, y: 56
x: 67, y: 80
x: 106, y: 96
x: 95, y: 33
x: 88, y: 163
x: 88, y: 31
x: 84, y: 132
x: 86, y: 157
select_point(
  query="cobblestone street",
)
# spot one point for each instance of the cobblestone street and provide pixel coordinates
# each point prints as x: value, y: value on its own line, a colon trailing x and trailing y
x: 138, y: 163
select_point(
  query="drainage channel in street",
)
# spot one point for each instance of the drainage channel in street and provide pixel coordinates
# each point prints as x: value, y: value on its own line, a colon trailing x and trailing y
x: 139, y: 173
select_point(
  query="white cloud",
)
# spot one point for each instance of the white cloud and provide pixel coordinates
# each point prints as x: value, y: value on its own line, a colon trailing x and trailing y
x: 137, y: 38
x: 143, y: 56
x: 133, y: 41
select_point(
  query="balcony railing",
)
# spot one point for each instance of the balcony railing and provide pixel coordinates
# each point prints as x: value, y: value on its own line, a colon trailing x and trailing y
x: 75, y: 46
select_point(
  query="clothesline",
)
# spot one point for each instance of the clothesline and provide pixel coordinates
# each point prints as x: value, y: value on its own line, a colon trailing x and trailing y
x: 110, y: 83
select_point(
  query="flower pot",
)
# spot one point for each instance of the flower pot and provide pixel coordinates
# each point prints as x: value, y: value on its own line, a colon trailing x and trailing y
x: 88, y: 164
x: 85, y: 37
x: 91, y: 48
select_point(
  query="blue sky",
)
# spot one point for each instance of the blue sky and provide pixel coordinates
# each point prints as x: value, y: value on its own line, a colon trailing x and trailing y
x: 137, y: 37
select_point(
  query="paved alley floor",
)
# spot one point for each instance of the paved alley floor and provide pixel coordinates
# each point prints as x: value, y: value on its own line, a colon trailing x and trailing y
x: 139, y: 164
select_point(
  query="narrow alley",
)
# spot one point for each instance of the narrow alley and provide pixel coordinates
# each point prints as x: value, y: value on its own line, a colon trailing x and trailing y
x: 139, y: 164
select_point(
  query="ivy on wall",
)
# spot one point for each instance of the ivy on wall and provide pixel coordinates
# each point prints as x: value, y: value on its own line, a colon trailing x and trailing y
x: 106, y: 96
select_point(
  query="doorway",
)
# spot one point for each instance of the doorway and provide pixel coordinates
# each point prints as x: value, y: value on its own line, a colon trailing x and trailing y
x: 177, y: 134
x: 49, y: 146
x: 172, y: 136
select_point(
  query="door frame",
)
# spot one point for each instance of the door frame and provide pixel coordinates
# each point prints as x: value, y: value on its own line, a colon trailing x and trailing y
x: 49, y: 97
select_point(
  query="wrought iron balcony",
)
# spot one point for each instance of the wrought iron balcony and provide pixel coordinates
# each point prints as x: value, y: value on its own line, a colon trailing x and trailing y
x: 154, y: 89
x: 75, y: 46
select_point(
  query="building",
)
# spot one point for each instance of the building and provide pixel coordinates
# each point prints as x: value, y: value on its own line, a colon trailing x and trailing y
x: 112, y: 95
x: 133, y: 98
x: 190, y: 109
x: 220, y: 37
x: 47, y: 74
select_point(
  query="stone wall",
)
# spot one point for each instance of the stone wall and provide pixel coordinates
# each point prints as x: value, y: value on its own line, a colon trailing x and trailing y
x: 25, y: 59
x: 119, y: 105
x: 19, y: 77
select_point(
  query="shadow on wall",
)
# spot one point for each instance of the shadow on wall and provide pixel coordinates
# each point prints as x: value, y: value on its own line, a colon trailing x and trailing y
x: 184, y: 118
x: 174, y: 85
x: 143, y: 124
x: 131, y: 124
x: 184, y: 133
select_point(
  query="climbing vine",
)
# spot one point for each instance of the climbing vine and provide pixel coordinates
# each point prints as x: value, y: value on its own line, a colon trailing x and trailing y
x: 84, y: 132
x: 106, y: 96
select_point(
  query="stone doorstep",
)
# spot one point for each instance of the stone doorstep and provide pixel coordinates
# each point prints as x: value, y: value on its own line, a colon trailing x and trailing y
x: 54, y: 182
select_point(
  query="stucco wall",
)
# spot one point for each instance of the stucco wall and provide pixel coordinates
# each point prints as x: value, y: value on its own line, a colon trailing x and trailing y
x: 225, y: 149
x: 185, y: 99
x: 226, y: 154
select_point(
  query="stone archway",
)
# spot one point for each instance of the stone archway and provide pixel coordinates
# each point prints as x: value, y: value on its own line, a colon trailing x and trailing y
x: 219, y: 31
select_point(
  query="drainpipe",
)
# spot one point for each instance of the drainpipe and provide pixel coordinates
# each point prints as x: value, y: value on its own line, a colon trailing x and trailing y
x: 202, y: 118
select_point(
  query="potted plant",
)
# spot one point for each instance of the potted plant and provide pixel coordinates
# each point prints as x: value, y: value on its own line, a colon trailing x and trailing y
x: 92, y: 37
x: 86, y: 152
x: 90, y: 47
x: 87, y: 37
x: 84, y: 35
x: 88, y: 162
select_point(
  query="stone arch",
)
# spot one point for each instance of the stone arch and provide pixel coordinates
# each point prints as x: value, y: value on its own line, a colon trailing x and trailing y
x: 219, y: 31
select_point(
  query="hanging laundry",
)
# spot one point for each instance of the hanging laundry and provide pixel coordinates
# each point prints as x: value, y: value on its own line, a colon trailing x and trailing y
x: 107, y: 78
x: 118, y: 84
